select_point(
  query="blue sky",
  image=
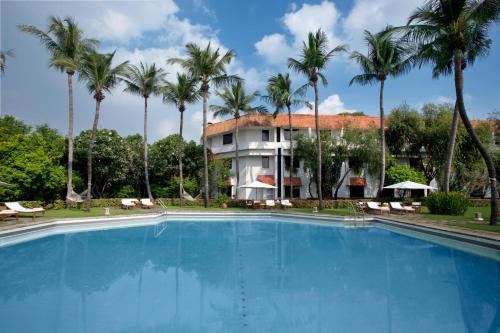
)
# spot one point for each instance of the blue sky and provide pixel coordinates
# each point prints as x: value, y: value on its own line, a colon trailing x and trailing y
x: 263, y: 33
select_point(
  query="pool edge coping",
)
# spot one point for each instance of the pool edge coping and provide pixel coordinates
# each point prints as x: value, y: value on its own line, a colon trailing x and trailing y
x: 122, y: 221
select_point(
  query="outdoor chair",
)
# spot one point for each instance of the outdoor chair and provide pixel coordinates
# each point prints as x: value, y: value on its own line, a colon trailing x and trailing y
x: 16, y: 206
x: 285, y: 203
x: 146, y: 203
x: 128, y: 203
x: 399, y: 208
x: 376, y: 208
x: 270, y: 204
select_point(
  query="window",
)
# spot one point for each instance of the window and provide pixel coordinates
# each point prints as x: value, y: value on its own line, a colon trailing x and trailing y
x: 296, y: 162
x: 287, y: 133
x: 265, y: 162
x: 296, y: 191
x: 265, y: 135
x: 227, y: 139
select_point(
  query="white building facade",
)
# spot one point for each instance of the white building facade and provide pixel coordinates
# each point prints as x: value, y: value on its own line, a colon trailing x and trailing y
x: 264, y: 155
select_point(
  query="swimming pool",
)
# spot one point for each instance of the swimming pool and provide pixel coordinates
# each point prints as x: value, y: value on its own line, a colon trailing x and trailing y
x: 245, y: 275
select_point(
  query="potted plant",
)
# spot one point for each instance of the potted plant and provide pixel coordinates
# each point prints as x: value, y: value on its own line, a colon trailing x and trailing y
x: 222, y: 201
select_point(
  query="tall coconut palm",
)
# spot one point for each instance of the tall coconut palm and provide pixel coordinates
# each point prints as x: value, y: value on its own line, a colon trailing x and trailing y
x: 3, y: 59
x: 236, y: 103
x: 460, y: 28
x: 386, y: 57
x: 282, y: 97
x: 207, y: 65
x: 184, y: 91
x: 144, y: 81
x: 66, y: 44
x: 100, y: 77
x: 313, y: 59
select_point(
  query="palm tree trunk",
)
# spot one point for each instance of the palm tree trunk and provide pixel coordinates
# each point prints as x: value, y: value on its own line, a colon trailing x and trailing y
x: 291, y: 149
x: 69, y: 187
x: 205, y: 152
x: 237, y: 144
x: 89, y: 154
x: 181, y: 152
x: 451, y: 149
x: 318, y: 142
x: 382, y: 141
x: 479, y: 145
x: 146, y: 173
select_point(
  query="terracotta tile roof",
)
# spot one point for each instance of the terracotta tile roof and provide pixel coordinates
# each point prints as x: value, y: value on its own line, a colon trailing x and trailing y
x: 298, y: 121
x: 269, y: 180
x: 357, y: 181
x: 296, y: 181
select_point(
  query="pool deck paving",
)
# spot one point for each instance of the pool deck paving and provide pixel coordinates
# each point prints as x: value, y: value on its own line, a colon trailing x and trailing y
x: 410, y: 219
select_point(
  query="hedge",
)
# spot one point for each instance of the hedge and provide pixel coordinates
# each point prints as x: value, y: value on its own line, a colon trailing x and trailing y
x: 297, y: 203
x: 453, y: 203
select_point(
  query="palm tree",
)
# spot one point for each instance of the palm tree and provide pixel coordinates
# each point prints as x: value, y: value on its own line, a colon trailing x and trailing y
x: 184, y: 91
x: 66, y: 45
x: 100, y: 77
x: 386, y: 56
x: 451, y: 34
x: 3, y: 59
x: 281, y: 96
x: 313, y: 59
x: 206, y: 65
x: 144, y: 81
x: 236, y: 103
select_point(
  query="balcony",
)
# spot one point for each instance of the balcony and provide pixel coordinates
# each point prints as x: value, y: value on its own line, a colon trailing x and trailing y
x: 253, y: 145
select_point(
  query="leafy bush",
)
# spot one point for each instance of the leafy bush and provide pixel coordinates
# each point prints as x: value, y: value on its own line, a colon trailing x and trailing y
x: 401, y: 173
x: 453, y: 203
x: 126, y: 191
x: 222, y: 199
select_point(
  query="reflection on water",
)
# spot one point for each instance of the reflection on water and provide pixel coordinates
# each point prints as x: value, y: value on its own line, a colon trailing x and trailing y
x: 262, y: 276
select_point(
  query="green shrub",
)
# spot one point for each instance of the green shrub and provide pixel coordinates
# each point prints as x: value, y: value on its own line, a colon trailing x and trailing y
x: 401, y: 173
x: 453, y: 203
x: 221, y: 199
x: 126, y: 191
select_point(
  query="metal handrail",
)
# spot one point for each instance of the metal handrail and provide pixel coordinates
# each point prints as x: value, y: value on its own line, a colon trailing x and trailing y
x: 162, y: 204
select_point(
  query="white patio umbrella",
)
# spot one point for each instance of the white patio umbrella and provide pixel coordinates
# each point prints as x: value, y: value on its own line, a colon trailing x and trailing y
x: 409, y: 185
x: 256, y: 185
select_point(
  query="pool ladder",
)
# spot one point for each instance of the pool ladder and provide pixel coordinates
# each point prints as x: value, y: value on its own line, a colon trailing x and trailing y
x: 160, y: 203
x: 354, y: 212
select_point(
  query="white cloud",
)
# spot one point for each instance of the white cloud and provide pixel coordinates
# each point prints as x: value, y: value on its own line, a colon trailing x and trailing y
x: 311, y: 18
x: 128, y: 20
x: 205, y: 9
x: 442, y: 100
x: 374, y: 16
x: 299, y: 22
x: 274, y: 48
x: 331, y: 105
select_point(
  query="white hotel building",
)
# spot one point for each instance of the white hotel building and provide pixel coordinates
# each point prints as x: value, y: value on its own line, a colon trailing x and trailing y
x: 264, y: 150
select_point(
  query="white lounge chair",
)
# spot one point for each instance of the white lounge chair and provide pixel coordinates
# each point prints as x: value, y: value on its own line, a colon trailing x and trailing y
x: 398, y: 207
x: 16, y: 206
x: 270, y: 204
x: 146, y: 203
x: 375, y: 207
x: 286, y: 203
x: 129, y: 203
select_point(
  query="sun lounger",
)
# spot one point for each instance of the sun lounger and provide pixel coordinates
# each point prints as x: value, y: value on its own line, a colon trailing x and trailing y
x: 376, y: 208
x: 146, y: 203
x: 417, y: 206
x: 16, y: 206
x: 129, y: 203
x: 286, y: 203
x: 8, y: 213
x: 257, y: 204
x: 398, y: 207
x: 270, y: 204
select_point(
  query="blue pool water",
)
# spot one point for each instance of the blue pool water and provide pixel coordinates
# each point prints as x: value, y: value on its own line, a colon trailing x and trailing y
x: 245, y: 276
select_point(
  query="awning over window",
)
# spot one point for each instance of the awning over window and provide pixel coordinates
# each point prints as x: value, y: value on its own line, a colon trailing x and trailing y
x: 269, y: 180
x: 357, y: 181
x: 296, y: 181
